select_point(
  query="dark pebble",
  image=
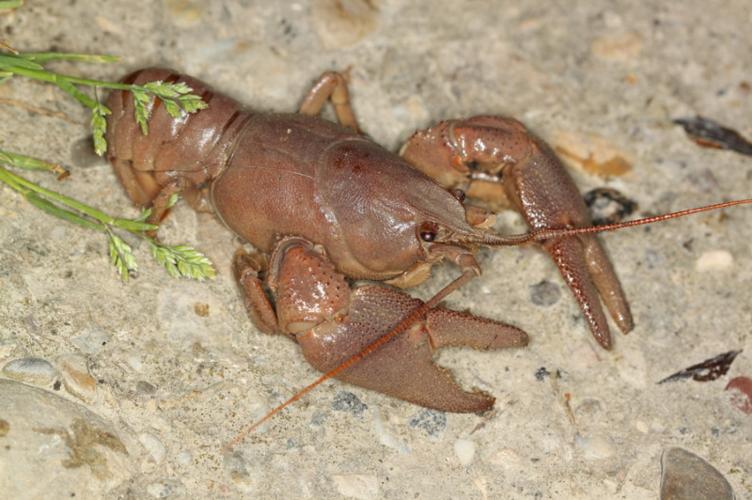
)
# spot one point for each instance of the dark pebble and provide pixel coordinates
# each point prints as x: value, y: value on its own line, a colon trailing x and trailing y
x: 349, y: 402
x: 541, y: 373
x: 685, y: 476
x: 431, y: 421
x: 545, y: 293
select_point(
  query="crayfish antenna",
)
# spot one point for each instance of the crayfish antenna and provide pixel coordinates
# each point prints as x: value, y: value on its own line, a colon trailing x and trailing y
x: 403, y: 325
x: 545, y: 234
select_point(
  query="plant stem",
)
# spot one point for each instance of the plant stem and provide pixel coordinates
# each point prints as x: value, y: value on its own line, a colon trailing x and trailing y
x: 62, y: 213
x: 10, y: 4
x: 24, y: 186
x: 48, y: 76
x: 43, y: 57
x: 29, y: 163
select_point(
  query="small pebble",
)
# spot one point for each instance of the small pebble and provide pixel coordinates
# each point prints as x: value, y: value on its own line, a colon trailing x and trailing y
x: 714, y: 260
x: 201, y: 309
x: 185, y: 13
x: 116, y: 28
x: 233, y: 460
x: 465, y: 451
x: 76, y: 377
x: 612, y: 20
x: 237, y: 468
x: 545, y: 293
x: 541, y: 373
x: 361, y: 486
x: 343, y: 23
x: 134, y: 362
x: 386, y: 438
x: 154, y: 446
x: 590, y: 408
x: 685, y: 476
x: 143, y: 387
x: 34, y: 371
x: 318, y: 418
x: 4, y: 428
x: 92, y: 341
x: 612, y: 486
x: 159, y: 490
x: 184, y: 458
x: 433, y: 422
x: 349, y: 402
x: 509, y: 459
x: 594, y: 447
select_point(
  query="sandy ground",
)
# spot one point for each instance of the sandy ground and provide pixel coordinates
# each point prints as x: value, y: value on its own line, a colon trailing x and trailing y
x: 155, y: 386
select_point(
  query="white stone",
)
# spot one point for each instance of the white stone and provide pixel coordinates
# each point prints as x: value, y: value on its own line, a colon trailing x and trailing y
x: 158, y: 490
x: 134, y: 361
x: 341, y: 24
x: 153, y: 445
x: 385, y: 437
x: 184, y: 458
x: 35, y: 371
x: 714, y: 260
x: 360, y: 486
x: 641, y: 426
x: 91, y: 341
x: 507, y: 458
x: 465, y: 451
x: 594, y: 447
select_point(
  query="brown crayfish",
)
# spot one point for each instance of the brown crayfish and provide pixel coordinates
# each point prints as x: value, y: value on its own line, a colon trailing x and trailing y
x: 323, y: 204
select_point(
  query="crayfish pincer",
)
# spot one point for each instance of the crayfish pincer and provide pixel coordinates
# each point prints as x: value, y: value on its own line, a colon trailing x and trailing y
x: 323, y: 204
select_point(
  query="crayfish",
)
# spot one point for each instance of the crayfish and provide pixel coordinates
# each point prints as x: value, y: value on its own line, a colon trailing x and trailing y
x: 324, y: 205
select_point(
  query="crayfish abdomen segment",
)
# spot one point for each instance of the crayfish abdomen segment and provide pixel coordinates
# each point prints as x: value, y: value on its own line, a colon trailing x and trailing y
x: 190, y: 150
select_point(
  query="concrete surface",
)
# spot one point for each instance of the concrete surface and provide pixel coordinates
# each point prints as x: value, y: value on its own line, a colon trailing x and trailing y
x: 174, y: 386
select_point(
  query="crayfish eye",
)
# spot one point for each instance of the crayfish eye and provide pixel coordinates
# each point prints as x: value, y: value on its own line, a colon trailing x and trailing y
x: 459, y: 194
x: 428, y: 231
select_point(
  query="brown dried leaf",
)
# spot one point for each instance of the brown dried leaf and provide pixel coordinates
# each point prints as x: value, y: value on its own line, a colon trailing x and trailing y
x: 710, y: 134
x: 710, y: 369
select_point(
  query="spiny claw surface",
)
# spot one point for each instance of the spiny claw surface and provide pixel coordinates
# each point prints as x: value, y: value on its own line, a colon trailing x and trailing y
x: 404, y: 368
